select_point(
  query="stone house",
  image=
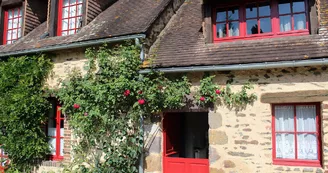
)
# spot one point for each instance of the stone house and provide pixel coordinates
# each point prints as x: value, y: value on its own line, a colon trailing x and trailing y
x: 278, y: 45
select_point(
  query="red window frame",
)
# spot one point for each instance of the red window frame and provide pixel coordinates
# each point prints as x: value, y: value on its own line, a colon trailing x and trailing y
x: 297, y: 162
x: 6, y: 25
x: 58, y: 118
x: 61, y: 18
x: 275, y: 21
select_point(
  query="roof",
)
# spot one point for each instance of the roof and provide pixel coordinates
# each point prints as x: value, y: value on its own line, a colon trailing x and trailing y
x: 182, y: 44
x: 124, y: 17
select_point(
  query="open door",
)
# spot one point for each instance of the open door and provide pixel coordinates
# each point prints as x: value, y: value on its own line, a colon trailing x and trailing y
x: 185, y: 143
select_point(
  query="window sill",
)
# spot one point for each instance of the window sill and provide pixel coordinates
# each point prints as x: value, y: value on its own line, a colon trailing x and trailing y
x: 303, y: 163
x: 262, y: 36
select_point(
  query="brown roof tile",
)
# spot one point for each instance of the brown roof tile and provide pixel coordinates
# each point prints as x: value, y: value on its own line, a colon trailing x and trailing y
x: 124, y: 17
x: 183, y: 44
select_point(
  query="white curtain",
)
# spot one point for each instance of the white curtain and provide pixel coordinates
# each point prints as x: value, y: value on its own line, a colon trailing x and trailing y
x: 285, y: 143
x: 284, y: 116
x: 299, y: 20
x: 306, y: 122
x: 285, y: 23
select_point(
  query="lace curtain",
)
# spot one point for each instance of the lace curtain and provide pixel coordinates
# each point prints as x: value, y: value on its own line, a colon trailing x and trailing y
x: 285, y: 139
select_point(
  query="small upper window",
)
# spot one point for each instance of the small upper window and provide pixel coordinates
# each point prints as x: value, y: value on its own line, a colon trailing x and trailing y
x: 13, y: 20
x: 296, y: 134
x: 260, y: 19
x: 69, y: 17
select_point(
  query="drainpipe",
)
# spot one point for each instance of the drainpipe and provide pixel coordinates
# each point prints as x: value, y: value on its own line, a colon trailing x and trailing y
x: 73, y: 45
x: 141, y: 162
x: 234, y: 67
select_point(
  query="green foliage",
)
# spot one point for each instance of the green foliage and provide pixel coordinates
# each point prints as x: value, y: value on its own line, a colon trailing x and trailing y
x: 106, y: 104
x: 23, y: 109
x: 209, y: 93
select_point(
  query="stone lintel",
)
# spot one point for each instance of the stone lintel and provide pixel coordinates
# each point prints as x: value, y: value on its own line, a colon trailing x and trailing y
x: 295, y: 96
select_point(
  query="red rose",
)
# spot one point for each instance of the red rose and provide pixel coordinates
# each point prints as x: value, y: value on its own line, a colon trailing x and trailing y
x: 202, y: 98
x: 127, y: 92
x: 141, y: 101
x: 160, y: 87
x: 218, y: 91
x: 85, y: 113
x: 76, y: 106
x: 140, y: 92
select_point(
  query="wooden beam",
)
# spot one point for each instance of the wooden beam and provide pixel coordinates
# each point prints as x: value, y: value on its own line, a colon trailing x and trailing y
x: 295, y: 96
x: 208, y: 32
x: 53, y: 18
x: 313, y: 17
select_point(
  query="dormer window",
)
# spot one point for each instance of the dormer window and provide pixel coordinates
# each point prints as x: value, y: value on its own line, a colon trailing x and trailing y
x: 260, y: 19
x: 13, y: 21
x: 69, y: 17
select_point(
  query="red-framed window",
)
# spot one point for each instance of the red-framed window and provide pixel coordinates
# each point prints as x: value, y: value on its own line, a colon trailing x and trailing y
x: 260, y: 19
x: 55, y: 131
x: 13, y: 20
x: 69, y: 17
x: 3, y: 159
x: 296, y: 134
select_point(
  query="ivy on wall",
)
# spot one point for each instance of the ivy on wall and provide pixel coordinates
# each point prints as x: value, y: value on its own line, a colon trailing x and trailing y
x: 23, y: 110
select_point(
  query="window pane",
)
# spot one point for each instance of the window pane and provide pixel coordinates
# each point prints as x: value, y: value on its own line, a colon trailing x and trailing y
x: 221, y: 16
x: 252, y: 27
x: 285, y: 146
x: 233, y: 14
x: 16, y: 12
x: 284, y: 7
x: 284, y: 118
x: 64, y: 33
x: 72, y: 23
x: 265, y: 24
x: 306, y: 118
x: 65, y: 3
x: 299, y: 21
x: 264, y: 9
x: 61, y: 147
x: 221, y: 30
x: 79, y: 11
x: 298, y: 6
x: 72, y: 11
x: 19, y: 33
x: 65, y: 12
x: 65, y: 24
x: 251, y: 11
x: 15, y: 24
x: 285, y: 23
x: 233, y: 29
x: 10, y: 24
x: 14, y: 32
x: 307, y: 147
x: 72, y: 2
x: 9, y: 35
x: 10, y: 14
x: 52, y: 143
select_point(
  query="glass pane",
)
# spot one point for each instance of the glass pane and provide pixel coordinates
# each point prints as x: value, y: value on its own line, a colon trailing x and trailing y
x: 306, y: 118
x: 221, y: 16
x: 14, y: 32
x: 79, y: 22
x: 61, y: 147
x: 79, y: 11
x: 65, y: 12
x: 72, y: 23
x: 299, y: 21
x: 71, y: 32
x: 72, y: 11
x: 10, y: 14
x: 64, y: 33
x: 285, y: 146
x: 264, y: 9
x: 20, y: 22
x: 72, y: 2
x: 251, y: 11
x: 252, y: 27
x: 265, y: 24
x: 16, y: 12
x: 233, y: 14
x: 65, y: 24
x: 307, y: 146
x: 65, y: 3
x: 221, y: 30
x: 19, y: 33
x: 284, y: 7
x: 52, y: 144
x: 8, y: 42
x: 233, y: 29
x: 298, y: 6
x: 285, y: 23
x: 79, y: 1
x: 10, y: 24
x: 15, y: 24
x: 52, y: 131
x: 284, y: 118
x: 9, y: 35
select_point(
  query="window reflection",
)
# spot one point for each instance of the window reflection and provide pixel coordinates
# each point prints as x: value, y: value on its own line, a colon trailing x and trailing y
x: 284, y: 7
x: 298, y: 6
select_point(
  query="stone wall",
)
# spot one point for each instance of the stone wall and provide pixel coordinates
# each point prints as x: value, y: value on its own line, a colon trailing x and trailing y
x: 241, y: 142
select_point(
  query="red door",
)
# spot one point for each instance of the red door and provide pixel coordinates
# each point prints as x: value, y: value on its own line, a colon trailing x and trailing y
x: 172, y: 160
